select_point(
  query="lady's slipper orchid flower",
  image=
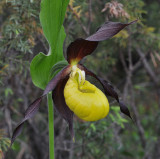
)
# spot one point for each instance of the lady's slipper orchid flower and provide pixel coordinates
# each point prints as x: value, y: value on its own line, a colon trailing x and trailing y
x: 71, y: 92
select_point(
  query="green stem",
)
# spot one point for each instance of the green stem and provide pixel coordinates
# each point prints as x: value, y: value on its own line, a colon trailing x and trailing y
x: 51, y: 125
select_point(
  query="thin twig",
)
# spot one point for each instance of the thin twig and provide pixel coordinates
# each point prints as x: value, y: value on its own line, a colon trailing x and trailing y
x: 90, y: 16
x: 79, y: 20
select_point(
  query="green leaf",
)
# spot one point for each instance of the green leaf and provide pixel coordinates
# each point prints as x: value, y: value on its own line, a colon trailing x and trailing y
x: 57, y: 67
x: 16, y: 146
x: 8, y: 91
x: 51, y: 17
x: 93, y: 127
x: 115, y: 108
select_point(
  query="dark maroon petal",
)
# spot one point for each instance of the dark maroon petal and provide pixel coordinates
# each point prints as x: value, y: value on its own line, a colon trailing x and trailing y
x: 60, y: 76
x: 33, y: 108
x: 29, y: 113
x: 109, y: 90
x: 124, y: 109
x: 108, y: 30
x: 60, y: 105
x: 83, y: 47
x: 17, y: 132
x: 79, y: 49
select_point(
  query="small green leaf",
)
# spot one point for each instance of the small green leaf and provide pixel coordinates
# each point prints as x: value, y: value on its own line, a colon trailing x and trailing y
x: 16, y: 146
x: 93, y: 127
x: 115, y: 108
x: 112, y: 117
x: 57, y: 67
x: 8, y: 91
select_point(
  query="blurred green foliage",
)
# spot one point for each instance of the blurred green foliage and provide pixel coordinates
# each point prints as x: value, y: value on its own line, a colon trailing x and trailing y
x: 4, y: 143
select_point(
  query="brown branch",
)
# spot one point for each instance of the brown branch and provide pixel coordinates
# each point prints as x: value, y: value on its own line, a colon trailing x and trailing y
x: 21, y: 152
x: 90, y: 16
x: 137, y: 118
x: 123, y: 61
x: 79, y: 20
x: 129, y: 88
x: 155, y: 80
x: 150, y: 72
x: 147, y: 66
x: 132, y: 98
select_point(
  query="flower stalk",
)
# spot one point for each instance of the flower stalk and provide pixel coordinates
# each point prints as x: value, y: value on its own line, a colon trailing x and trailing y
x: 51, y: 125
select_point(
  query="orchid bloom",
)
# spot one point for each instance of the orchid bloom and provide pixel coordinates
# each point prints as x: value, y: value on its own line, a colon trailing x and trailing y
x: 71, y: 92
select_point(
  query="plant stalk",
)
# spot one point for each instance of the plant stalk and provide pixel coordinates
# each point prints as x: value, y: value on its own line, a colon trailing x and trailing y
x: 51, y: 125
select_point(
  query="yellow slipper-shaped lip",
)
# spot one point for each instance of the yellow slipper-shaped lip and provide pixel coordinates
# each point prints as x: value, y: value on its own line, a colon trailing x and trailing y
x: 87, y: 101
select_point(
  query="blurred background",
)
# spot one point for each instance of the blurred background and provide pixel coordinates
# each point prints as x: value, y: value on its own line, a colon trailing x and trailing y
x: 130, y: 61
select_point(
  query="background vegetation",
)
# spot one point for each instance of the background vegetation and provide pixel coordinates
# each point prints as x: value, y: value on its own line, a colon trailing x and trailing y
x: 130, y: 60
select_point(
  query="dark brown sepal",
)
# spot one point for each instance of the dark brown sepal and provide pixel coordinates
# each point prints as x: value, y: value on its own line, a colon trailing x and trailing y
x: 60, y: 76
x: 108, y: 30
x: 80, y: 48
x: 124, y: 109
x: 108, y: 89
x: 33, y: 108
x: 29, y: 113
x: 60, y: 104
x: 17, y: 132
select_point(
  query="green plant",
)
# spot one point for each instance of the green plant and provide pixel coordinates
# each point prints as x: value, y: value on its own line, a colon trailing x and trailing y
x: 4, y: 143
x: 52, y: 16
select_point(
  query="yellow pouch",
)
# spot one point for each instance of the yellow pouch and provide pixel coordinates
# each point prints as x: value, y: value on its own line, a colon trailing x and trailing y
x: 85, y: 100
